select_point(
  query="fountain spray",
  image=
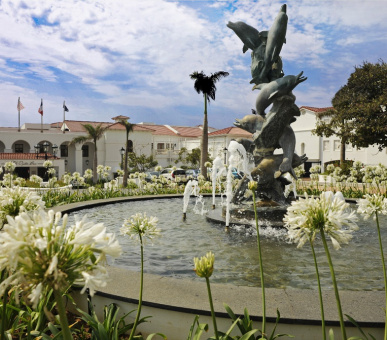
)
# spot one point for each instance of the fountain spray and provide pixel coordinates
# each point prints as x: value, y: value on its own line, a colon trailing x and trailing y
x: 190, y: 188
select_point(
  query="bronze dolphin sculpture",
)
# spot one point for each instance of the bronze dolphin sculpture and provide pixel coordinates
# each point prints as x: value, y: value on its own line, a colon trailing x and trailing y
x: 275, y: 89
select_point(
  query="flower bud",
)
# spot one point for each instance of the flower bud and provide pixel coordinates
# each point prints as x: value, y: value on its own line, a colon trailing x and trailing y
x: 253, y: 185
x: 205, y: 265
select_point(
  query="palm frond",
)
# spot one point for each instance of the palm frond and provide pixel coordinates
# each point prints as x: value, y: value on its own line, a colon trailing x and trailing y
x: 128, y: 126
x: 206, y: 84
x: 79, y: 140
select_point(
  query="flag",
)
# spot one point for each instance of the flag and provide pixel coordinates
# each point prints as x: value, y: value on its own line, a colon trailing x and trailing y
x: 65, y: 108
x: 40, y: 110
x: 19, y: 105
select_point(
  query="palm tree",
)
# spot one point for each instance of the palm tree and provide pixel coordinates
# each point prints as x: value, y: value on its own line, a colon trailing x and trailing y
x: 206, y: 85
x: 129, y: 127
x: 93, y: 134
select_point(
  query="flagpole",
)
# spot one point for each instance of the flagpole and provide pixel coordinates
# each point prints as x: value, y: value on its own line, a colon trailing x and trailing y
x: 64, y: 116
x: 41, y: 117
x: 18, y: 109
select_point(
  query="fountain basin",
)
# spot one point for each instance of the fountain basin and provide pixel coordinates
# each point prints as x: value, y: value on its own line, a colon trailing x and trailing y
x: 173, y: 303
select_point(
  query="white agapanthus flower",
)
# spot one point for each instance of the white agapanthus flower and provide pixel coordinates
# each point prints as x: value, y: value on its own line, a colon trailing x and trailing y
x: 66, y: 178
x: 372, y: 204
x: 158, y: 168
x: 76, y: 175
x: 140, y: 226
x: 51, y: 172
x: 47, y: 164
x: 9, y: 166
x: 88, y: 174
x: 41, y: 253
x: 16, y: 200
x: 100, y: 169
x: 120, y: 172
x: 328, y: 213
x: 36, y: 179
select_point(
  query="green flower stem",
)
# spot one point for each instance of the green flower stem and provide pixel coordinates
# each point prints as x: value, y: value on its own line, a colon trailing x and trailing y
x: 319, y: 291
x: 260, y: 269
x: 4, y: 314
x: 384, y: 270
x: 62, y: 316
x: 212, y: 308
x: 141, y: 289
x: 342, y: 326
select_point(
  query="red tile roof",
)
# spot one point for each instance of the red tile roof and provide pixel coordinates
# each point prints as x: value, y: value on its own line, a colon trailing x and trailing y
x: 76, y: 125
x: 32, y: 156
x: 231, y: 131
x: 173, y: 130
x: 136, y: 127
x: 316, y: 109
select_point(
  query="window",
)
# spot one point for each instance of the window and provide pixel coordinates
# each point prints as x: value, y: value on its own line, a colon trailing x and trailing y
x: 167, y: 146
x: 130, y: 146
x: 160, y: 146
x: 337, y: 145
x: 64, y: 150
x: 18, y: 148
x: 326, y: 145
x: 85, y: 151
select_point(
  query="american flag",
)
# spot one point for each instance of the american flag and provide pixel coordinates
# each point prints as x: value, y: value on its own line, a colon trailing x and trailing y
x: 19, y: 105
x: 40, y: 110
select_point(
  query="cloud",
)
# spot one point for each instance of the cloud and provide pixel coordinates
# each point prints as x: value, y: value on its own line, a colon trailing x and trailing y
x: 137, y: 55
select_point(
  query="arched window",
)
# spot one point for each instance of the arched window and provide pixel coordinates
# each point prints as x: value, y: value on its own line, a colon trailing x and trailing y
x: 130, y: 145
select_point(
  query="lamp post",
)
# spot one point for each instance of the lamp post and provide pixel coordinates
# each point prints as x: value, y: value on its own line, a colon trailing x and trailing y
x: 225, y: 155
x: 122, y: 152
x: 45, y: 149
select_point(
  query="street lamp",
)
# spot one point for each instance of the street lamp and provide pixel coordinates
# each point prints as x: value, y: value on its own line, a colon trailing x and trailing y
x: 45, y: 149
x: 122, y: 152
x: 225, y: 155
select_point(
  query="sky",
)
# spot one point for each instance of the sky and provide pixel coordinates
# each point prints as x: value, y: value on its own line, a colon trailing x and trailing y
x: 106, y: 58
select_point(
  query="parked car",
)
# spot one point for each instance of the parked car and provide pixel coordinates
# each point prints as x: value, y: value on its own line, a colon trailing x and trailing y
x: 149, y: 175
x: 174, y: 175
x: 192, y: 172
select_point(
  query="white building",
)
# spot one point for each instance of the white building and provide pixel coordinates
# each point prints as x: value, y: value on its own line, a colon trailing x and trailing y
x: 321, y: 149
x: 53, y: 141
x: 162, y: 141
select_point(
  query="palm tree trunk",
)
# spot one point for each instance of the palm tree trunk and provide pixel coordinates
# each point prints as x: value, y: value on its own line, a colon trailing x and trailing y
x: 95, y: 162
x: 204, y: 141
x: 125, y: 181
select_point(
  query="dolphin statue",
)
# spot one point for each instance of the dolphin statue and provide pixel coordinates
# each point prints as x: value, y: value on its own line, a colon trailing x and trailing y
x: 248, y: 34
x: 275, y: 39
x: 275, y: 89
x: 250, y: 123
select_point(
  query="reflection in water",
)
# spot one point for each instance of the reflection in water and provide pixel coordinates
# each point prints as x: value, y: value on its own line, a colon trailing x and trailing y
x: 357, y: 265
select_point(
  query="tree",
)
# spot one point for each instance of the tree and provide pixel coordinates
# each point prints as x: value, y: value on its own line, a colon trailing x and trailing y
x: 206, y: 85
x: 359, y: 114
x: 141, y: 163
x: 93, y: 134
x: 192, y: 158
x: 129, y: 128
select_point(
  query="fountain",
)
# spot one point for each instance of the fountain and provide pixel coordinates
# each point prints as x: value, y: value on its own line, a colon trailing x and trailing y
x: 270, y: 131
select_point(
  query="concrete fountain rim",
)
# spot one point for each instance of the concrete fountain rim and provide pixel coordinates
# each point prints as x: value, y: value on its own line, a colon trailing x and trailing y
x: 297, y: 306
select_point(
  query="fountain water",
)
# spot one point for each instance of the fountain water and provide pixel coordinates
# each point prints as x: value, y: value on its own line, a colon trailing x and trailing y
x: 218, y: 170
x: 191, y: 188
